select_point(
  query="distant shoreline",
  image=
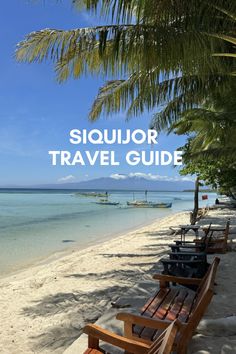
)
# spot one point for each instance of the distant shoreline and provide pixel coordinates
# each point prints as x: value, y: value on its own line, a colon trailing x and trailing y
x: 30, y: 189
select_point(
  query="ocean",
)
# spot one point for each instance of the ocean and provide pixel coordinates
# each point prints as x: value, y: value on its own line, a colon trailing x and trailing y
x: 34, y: 224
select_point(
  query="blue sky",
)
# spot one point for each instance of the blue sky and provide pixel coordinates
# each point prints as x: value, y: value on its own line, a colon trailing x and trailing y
x: 37, y: 113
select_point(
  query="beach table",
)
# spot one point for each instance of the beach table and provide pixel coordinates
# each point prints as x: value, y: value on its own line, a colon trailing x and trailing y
x: 186, y: 228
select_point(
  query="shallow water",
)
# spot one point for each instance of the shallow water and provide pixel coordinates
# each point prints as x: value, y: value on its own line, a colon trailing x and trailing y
x: 34, y: 224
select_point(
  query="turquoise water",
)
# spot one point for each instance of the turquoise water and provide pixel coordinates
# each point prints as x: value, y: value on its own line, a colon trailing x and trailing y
x: 35, y: 224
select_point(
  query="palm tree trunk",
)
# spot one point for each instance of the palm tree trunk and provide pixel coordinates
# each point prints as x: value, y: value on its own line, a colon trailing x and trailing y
x: 193, y: 215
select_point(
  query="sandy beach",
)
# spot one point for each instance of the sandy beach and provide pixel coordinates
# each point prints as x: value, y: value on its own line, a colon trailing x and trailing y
x: 44, y: 307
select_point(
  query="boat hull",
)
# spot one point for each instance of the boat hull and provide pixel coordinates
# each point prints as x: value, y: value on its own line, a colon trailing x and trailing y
x: 107, y: 203
x: 149, y: 205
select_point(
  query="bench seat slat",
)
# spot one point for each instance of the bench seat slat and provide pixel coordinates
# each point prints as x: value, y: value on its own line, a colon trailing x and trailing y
x: 163, y: 309
x: 157, y: 299
x: 173, y: 312
x: 187, y: 307
x: 158, y: 310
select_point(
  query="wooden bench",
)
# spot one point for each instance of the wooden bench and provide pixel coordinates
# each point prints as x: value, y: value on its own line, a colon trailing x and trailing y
x: 218, y: 244
x: 162, y: 345
x: 169, y: 303
x: 185, y: 264
x: 209, y: 243
x: 198, y: 244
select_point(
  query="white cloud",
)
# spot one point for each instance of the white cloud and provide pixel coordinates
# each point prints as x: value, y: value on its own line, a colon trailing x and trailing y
x: 151, y: 177
x: 66, y: 179
x: 118, y: 176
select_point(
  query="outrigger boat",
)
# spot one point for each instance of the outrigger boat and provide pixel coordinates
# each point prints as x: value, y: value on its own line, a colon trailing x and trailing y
x: 145, y: 204
x: 106, y: 201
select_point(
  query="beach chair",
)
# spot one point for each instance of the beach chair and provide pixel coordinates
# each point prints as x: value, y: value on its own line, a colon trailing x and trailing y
x: 162, y: 345
x: 170, y: 303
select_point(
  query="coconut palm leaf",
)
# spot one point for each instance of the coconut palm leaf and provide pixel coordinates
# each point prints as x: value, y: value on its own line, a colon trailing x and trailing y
x: 211, y: 132
x: 141, y: 46
x: 145, y: 91
x: 161, y: 55
x: 227, y: 38
x: 197, y: 12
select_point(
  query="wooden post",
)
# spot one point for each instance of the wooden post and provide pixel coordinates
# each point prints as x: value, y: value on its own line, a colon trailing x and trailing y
x: 193, y: 215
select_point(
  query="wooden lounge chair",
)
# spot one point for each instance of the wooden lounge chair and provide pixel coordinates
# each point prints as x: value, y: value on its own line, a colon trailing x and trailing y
x: 169, y: 303
x: 162, y: 345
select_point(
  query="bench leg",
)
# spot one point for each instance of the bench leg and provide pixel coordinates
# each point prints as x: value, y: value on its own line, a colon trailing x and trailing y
x: 93, y: 342
x: 128, y: 332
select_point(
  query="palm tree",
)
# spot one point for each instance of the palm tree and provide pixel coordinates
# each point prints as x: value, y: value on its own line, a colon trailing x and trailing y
x: 161, y: 50
x: 210, y: 149
x: 211, y: 127
x: 230, y: 37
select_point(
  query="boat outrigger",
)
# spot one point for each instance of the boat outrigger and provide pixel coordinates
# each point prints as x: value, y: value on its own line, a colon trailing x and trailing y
x: 106, y: 202
x: 91, y: 194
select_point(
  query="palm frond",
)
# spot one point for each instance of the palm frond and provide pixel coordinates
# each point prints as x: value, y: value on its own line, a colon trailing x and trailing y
x: 161, y: 11
x: 162, y: 55
x: 215, y: 153
x: 190, y: 91
x: 226, y: 38
x: 136, y: 45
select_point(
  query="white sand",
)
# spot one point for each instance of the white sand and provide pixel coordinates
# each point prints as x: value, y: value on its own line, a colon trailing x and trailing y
x: 44, y: 307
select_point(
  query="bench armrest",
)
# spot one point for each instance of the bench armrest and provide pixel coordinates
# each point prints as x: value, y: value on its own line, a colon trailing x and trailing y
x: 143, y: 321
x: 130, y: 345
x: 179, y: 280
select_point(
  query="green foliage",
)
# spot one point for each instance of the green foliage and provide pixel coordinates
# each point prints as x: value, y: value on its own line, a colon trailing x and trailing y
x: 228, y: 38
x: 219, y: 173
x: 161, y: 52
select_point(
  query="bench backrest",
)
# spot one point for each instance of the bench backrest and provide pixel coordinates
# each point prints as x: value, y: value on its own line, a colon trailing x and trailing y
x: 203, y: 297
x: 164, y: 343
x: 225, y: 235
x: 205, y: 239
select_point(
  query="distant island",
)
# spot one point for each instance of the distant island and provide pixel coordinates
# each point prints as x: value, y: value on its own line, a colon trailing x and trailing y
x: 109, y: 183
x: 202, y: 190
